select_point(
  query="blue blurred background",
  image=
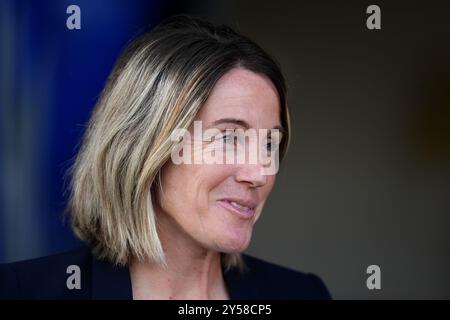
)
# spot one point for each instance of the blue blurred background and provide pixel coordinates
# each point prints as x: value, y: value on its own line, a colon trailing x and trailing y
x: 366, y: 179
x: 51, y: 77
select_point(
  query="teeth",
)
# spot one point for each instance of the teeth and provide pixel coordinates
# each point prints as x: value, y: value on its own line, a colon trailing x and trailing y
x: 239, y: 206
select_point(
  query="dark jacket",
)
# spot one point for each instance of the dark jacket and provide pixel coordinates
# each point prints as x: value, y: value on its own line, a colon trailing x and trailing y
x: 46, y: 278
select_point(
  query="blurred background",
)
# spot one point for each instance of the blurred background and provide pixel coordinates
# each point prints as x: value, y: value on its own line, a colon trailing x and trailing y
x: 367, y: 176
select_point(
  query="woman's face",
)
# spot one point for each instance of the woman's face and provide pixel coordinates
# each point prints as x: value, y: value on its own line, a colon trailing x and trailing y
x: 216, y: 205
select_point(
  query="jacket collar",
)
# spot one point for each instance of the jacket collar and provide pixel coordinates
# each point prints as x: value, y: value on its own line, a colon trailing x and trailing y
x: 110, y: 282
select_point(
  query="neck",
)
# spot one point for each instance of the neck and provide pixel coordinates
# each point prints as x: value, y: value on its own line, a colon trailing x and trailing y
x: 192, y: 272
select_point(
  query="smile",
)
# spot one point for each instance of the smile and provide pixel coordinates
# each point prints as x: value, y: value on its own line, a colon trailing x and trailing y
x: 243, y: 211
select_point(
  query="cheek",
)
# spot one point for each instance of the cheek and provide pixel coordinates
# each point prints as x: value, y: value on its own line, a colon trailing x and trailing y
x: 176, y: 189
x: 214, y: 175
x: 189, y: 186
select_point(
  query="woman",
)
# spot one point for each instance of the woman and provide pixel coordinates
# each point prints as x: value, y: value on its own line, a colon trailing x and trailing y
x: 163, y: 229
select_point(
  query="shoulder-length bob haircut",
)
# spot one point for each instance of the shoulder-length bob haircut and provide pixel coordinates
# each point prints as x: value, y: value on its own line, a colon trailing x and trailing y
x: 158, y: 84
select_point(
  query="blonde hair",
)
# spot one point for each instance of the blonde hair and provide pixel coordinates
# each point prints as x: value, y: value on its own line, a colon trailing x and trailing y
x: 159, y: 83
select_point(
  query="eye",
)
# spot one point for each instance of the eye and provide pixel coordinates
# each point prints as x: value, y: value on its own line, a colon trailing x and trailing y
x: 271, y: 145
x: 229, y: 137
x: 273, y: 140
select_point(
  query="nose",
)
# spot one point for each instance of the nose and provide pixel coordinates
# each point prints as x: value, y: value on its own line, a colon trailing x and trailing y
x: 252, y: 175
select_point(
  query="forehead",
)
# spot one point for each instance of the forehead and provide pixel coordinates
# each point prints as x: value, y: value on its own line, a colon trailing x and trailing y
x: 241, y: 93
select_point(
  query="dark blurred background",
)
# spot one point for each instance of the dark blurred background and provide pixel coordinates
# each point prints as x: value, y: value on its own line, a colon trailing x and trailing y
x: 367, y: 177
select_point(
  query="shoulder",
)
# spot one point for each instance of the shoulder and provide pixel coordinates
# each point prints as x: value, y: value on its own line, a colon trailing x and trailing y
x: 277, y: 282
x: 44, y: 278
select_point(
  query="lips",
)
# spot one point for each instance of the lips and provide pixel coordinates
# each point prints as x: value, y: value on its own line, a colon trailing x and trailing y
x: 242, y: 207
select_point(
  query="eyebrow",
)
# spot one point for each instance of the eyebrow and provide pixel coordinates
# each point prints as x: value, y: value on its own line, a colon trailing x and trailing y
x: 241, y: 123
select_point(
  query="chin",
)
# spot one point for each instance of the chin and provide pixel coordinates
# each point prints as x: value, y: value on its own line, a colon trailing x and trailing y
x: 236, y: 244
